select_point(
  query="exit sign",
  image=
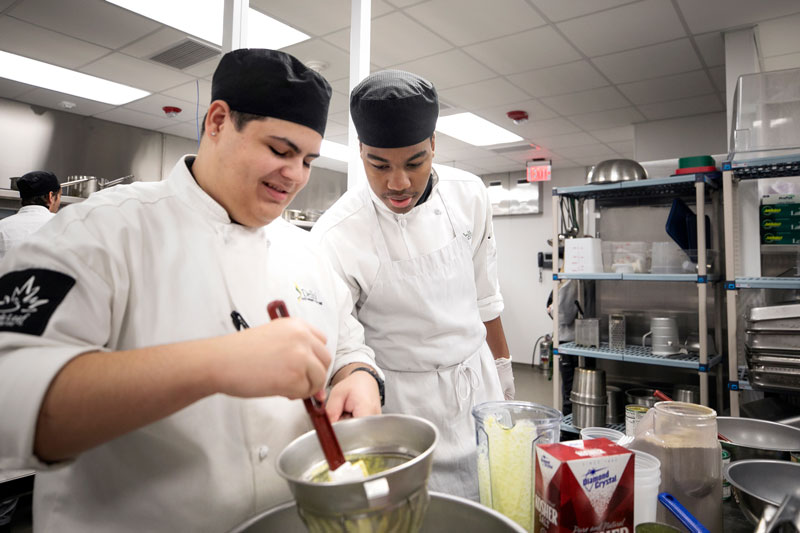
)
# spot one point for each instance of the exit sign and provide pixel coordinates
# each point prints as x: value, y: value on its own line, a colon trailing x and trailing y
x: 538, y: 171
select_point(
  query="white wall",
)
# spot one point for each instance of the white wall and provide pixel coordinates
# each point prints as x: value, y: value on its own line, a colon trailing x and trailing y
x: 680, y: 137
x: 519, y: 239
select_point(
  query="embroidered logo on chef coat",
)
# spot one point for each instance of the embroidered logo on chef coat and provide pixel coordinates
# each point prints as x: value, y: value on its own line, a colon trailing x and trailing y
x: 307, y: 295
x: 28, y: 298
x: 468, y: 235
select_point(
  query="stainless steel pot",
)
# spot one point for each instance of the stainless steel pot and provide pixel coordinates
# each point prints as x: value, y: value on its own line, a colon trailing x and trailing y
x: 641, y: 397
x: 13, y: 183
x: 83, y: 186
x: 613, y: 170
x: 445, y: 513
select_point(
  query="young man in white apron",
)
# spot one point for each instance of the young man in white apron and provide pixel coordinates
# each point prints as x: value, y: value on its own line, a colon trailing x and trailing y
x: 416, y: 247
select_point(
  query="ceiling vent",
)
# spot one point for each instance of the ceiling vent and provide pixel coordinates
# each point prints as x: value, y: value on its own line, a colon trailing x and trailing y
x: 185, y: 54
x: 510, y: 149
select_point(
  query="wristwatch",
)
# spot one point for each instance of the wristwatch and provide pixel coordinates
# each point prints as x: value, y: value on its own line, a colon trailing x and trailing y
x: 371, y: 372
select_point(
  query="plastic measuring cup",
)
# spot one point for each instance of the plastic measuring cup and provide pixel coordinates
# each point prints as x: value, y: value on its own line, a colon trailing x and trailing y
x: 600, y: 432
x: 507, y: 433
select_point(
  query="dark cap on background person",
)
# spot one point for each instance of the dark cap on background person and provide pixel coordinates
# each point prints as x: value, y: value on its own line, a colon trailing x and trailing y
x: 393, y: 109
x: 273, y: 84
x: 37, y: 183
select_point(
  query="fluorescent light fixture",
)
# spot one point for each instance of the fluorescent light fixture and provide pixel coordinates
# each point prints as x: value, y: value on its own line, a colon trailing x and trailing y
x: 475, y: 130
x: 204, y: 19
x: 32, y: 72
x: 332, y: 150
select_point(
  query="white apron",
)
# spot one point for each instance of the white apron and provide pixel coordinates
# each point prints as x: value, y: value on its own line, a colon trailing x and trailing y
x: 421, y: 318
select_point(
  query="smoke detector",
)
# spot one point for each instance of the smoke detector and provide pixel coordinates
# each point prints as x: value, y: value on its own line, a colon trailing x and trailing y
x: 518, y: 116
x: 171, y: 111
x: 66, y: 104
x: 316, y: 65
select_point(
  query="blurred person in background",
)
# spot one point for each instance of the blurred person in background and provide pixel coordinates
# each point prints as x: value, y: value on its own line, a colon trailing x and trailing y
x: 40, y: 195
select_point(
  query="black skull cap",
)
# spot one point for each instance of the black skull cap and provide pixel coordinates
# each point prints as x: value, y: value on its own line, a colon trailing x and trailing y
x: 273, y: 84
x: 394, y: 109
x: 37, y: 183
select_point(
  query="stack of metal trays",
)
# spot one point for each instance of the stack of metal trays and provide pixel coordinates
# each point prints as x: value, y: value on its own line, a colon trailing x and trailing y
x: 772, y: 347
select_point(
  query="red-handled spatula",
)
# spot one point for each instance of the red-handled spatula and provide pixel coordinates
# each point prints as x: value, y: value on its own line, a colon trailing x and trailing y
x: 340, y: 469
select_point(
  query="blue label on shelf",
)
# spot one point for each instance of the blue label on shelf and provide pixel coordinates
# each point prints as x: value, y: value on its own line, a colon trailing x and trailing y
x: 730, y: 285
x: 733, y: 385
x: 702, y: 368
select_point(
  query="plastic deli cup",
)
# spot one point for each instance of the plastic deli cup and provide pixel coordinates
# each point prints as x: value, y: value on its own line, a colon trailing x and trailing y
x: 647, y: 481
x: 633, y: 413
x: 599, y: 432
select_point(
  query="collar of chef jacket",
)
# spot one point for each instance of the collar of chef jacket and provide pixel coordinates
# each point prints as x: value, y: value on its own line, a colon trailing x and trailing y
x: 182, y: 179
x: 433, y: 181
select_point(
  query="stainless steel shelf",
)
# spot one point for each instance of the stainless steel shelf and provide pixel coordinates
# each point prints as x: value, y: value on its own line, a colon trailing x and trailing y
x: 637, y: 354
x: 691, y: 278
x: 9, y: 194
x: 671, y: 186
x: 566, y: 425
x: 769, y: 249
x: 767, y: 283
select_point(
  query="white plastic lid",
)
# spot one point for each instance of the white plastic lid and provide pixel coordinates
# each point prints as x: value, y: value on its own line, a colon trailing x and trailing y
x: 599, y: 432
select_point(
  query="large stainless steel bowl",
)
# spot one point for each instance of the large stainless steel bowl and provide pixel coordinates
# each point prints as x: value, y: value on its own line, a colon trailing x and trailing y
x: 613, y: 170
x: 641, y: 397
x: 758, y: 482
x: 758, y: 439
x: 445, y: 513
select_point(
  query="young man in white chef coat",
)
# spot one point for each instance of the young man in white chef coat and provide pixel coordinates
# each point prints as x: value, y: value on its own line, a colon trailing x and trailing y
x: 123, y: 378
x: 40, y: 196
x: 416, y: 247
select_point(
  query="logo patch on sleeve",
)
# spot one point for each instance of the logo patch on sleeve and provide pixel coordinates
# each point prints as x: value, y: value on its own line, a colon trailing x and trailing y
x: 28, y: 298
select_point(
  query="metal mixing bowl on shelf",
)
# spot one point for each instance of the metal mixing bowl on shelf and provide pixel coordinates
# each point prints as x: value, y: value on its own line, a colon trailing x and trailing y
x: 614, y: 170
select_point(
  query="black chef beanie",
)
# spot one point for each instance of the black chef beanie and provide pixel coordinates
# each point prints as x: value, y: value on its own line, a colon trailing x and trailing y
x: 37, y: 183
x: 272, y: 84
x: 393, y: 109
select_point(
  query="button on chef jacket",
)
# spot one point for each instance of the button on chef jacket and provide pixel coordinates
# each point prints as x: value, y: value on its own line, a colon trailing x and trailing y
x: 18, y: 227
x: 157, y: 263
x: 423, y: 283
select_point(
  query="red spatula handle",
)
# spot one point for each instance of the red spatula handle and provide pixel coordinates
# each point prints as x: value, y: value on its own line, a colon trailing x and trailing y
x: 319, y: 417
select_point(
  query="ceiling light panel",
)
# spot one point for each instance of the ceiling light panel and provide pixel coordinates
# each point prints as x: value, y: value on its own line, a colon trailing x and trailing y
x: 32, y: 72
x: 475, y: 130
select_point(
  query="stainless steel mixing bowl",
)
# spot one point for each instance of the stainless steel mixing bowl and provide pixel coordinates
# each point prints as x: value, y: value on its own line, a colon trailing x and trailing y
x: 758, y: 482
x: 758, y: 439
x: 613, y: 170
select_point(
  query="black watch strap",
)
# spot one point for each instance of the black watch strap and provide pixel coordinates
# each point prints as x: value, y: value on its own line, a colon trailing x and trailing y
x: 371, y: 372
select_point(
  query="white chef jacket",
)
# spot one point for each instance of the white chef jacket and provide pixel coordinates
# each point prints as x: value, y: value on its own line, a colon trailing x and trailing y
x: 157, y: 263
x: 18, y: 227
x: 344, y: 233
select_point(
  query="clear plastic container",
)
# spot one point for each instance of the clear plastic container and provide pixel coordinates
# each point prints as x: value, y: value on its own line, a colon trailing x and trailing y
x: 600, y: 432
x: 683, y: 437
x: 507, y: 433
x: 647, y: 482
x: 765, y: 110
x: 626, y: 257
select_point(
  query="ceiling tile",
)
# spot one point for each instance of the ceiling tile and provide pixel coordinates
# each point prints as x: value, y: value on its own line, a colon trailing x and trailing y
x: 534, y: 129
x: 589, y: 160
x: 11, y: 89
x: 649, y: 62
x: 154, y: 43
x: 342, y: 85
x: 391, y: 29
x: 709, y: 15
x: 155, y: 103
x: 449, y: 69
x: 52, y: 99
x: 536, y: 112
x: 95, y: 21
x: 464, y: 22
x: 205, y: 69
x: 319, y: 50
x: 668, y: 88
x: 187, y: 130
x: 557, y: 10
x: 539, y: 48
x: 639, y: 24
x: 5, y: 3
x: 449, y: 148
x: 340, y: 138
x: 718, y: 77
x: 780, y: 36
x: 596, y: 150
x: 621, y: 133
x: 332, y: 129
x: 32, y: 41
x: 527, y: 155
x: 341, y: 117
x: 312, y: 17
x: 135, y: 118
x: 470, y: 168
x: 782, y: 62
x: 682, y: 108
x: 712, y: 48
x: 135, y: 72
x: 483, y: 94
x: 339, y: 102
x: 189, y: 92
x: 607, y: 119
x: 586, y: 101
x: 562, y: 141
x: 570, y: 77
x: 404, y: 3
x: 622, y: 147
